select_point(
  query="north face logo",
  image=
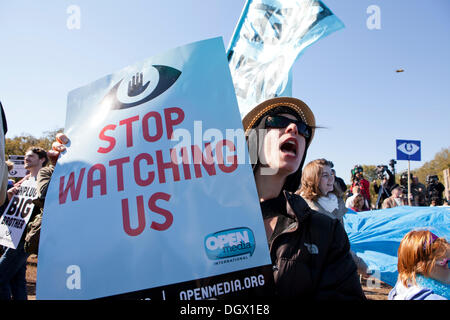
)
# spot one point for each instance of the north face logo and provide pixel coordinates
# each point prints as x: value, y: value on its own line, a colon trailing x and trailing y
x: 312, y: 248
x: 141, y: 87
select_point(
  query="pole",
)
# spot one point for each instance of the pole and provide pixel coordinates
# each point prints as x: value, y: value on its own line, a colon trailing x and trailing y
x: 409, y: 186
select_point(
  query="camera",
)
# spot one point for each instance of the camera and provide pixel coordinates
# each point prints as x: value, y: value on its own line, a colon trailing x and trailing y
x: 432, y: 179
x: 434, y: 189
x: 404, y: 179
x: 380, y: 170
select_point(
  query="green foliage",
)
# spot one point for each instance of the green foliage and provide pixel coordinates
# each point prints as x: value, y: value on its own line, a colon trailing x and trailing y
x: 436, y: 166
x: 19, y: 144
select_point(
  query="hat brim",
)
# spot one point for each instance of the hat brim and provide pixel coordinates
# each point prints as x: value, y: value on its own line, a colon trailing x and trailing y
x: 263, y: 108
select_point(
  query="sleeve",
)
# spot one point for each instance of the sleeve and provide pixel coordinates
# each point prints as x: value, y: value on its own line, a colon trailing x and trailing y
x: 43, y: 180
x: 339, y: 279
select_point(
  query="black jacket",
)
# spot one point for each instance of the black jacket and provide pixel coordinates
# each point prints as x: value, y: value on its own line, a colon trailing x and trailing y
x: 310, y: 253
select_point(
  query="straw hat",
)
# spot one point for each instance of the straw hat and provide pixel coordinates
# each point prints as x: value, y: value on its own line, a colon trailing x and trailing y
x: 300, y: 108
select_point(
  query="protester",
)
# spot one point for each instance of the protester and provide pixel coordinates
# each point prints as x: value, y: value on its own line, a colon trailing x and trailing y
x: 358, y: 179
x: 423, y: 268
x: 317, y: 189
x: 301, y: 241
x: 383, y: 190
x: 419, y: 192
x: 13, y: 261
x: 434, y: 190
x: 357, y: 203
x: 395, y: 199
x: 349, y: 201
x: 339, y: 183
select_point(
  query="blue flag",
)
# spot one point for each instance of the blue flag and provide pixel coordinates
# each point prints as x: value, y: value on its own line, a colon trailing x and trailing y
x: 269, y: 37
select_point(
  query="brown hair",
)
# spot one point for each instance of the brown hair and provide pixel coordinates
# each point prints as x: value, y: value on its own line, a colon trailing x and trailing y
x: 42, y: 154
x: 358, y: 197
x: 417, y: 254
x: 311, y: 178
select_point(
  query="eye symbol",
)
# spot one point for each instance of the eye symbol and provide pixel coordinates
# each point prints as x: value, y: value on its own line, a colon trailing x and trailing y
x: 167, y: 77
x: 408, y: 148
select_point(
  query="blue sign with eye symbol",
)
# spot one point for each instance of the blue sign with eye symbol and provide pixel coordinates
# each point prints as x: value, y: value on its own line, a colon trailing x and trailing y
x: 408, y: 150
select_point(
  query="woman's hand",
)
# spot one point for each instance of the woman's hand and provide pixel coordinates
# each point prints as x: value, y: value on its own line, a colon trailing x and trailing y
x: 57, y: 147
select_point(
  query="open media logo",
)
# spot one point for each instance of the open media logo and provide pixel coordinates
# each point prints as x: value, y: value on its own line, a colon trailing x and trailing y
x: 230, y: 243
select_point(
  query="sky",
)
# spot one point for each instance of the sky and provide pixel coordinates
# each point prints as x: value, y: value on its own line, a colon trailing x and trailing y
x: 348, y: 78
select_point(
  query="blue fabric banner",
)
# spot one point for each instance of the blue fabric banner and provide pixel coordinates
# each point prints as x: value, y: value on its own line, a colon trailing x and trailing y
x: 375, y: 235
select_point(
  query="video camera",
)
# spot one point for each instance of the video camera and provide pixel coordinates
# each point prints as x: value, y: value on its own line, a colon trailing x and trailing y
x: 380, y: 170
x: 432, y: 179
x: 404, y: 179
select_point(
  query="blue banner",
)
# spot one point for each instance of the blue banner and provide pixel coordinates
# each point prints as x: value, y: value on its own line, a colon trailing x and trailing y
x: 375, y: 235
x: 151, y: 200
x: 268, y: 39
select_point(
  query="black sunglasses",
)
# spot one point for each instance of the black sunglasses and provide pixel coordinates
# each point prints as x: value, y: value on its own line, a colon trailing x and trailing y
x: 282, y: 122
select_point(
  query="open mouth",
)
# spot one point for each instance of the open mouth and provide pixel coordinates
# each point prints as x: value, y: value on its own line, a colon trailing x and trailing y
x: 289, y: 147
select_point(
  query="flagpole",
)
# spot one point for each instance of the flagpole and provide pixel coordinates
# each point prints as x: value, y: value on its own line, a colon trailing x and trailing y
x: 409, y: 185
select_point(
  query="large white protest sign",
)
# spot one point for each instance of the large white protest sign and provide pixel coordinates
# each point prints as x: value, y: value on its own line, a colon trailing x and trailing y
x: 17, y: 214
x: 132, y: 213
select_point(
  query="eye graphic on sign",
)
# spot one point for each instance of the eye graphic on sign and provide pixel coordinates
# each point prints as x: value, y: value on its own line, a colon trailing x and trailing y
x: 141, y: 87
x: 408, y: 148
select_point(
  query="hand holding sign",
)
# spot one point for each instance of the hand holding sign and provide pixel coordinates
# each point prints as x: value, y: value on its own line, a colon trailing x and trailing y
x: 57, y: 147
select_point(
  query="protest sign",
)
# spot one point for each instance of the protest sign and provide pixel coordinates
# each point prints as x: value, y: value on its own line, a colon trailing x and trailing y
x: 408, y: 149
x: 269, y: 37
x: 18, y: 170
x: 17, y: 214
x: 152, y: 200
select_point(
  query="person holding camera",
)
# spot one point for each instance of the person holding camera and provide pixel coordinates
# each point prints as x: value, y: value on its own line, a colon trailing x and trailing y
x: 387, y: 181
x: 434, y: 190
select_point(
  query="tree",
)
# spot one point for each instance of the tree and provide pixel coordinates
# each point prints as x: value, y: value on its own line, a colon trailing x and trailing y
x: 19, y: 144
x: 436, y: 166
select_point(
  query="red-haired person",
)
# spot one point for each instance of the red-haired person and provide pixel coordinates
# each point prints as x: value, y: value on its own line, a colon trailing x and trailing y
x: 423, y: 268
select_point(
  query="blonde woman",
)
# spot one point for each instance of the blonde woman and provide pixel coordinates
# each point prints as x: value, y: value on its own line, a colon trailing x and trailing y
x: 317, y: 188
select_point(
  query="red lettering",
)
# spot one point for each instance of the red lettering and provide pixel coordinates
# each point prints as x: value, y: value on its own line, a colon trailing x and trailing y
x: 159, y: 127
x: 111, y: 140
x: 101, y: 181
x: 129, y: 129
x: 126, y: 217
x: 166, y: 214
x: 185, y: 161
x: 137, y: 170
x: 199, y: 158
x: 167, y: 165
x: 170, y: 123
x: 119, y: 167
x: 74, y: 190
x: 232, y: 159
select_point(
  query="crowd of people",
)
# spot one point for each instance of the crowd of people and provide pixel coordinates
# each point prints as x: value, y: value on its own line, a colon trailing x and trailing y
x: 391, y: 194
x: 302, y: 209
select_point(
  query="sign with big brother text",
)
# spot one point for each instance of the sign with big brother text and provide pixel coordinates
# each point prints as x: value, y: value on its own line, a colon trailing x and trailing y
x: 153, y: 198
x: 17, y: 214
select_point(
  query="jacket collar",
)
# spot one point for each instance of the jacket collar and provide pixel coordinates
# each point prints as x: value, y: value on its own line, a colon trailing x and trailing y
x: 296, y: 206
